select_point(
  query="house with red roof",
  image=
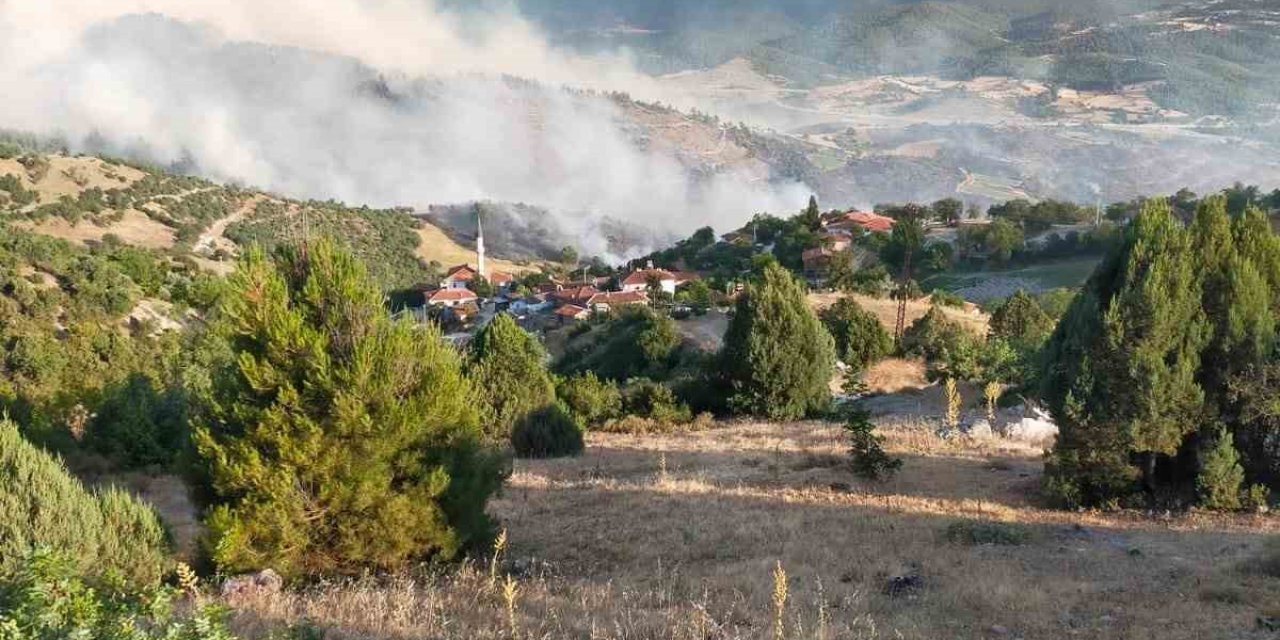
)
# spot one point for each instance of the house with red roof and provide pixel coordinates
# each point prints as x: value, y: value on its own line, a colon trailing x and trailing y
x: 451, y: 297
x: 862, y: 221
x: 577, y: 295
x: 572, y: 313
x: 458, y: 277
x: 638, y: 280
x: 606, y: 302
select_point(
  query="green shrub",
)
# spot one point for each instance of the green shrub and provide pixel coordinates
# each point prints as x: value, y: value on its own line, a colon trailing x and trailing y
x: 1222, y: 476
x: 337, y: 440
x: 99, y: 533
x: 646, y: 398
x: 867, y: 455
x: 944, y: 298
x: 138, y: 425
x: 590, y: 399
x: 860, y: 338
x: 980, y: 533
x: 635, y: 343
x: 550, y: 432
x: 45, y: 598
x: 508, y: 370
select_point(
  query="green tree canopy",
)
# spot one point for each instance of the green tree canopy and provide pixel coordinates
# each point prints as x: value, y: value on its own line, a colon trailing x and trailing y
x: 337, y: 440
x: 860, y: 339
x: 508, y: 368
x: 777, y: 357
x: 1020, y: 318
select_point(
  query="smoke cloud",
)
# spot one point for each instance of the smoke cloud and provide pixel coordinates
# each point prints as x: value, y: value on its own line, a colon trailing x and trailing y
x: 385, y: 102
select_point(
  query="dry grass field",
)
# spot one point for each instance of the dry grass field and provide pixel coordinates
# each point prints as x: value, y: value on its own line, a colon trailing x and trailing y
x: 886, y: 310
x: 678, y: 536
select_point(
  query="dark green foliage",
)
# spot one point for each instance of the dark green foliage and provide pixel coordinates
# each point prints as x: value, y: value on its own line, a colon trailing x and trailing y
x: 860, y: 339
x: 138, y: 424
x: 777, y: 357
x: 507, y: 367
x: 100, y: 533
x: 635, y: 343
x: 983, y: 533
x: 549, y: 432
x: 935, y: 337
x: 1021, y: 319
x: 998, y: 241
x: 1123, y: 368
x: 655, y: 401
x: 1254, y: 396
x: 867, y: 455
x: 47, y: 598
x: 384, y: 239
x: 907, y: 237
x: 591, y: 400
x: 1221, y: 476
x: 337, y: 440
x: 945, y: 298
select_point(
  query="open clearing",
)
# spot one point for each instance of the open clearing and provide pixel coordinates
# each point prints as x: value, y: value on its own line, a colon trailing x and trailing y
x: 676, y: 536
x: 990, y: 285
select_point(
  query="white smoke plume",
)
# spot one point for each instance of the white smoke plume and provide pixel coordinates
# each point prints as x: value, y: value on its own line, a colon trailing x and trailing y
x: 385, y: 102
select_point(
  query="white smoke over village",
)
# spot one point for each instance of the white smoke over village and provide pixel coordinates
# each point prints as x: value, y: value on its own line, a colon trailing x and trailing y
x: 385, y: 102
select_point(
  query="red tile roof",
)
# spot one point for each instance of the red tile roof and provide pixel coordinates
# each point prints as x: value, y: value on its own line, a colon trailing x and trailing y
x: 451, y: 295
x: 460, y: 273
x: 501, y: 278
x: 641, y: 276
x: 571, y: 311
x: 576, y: 294
x: 867, y: 220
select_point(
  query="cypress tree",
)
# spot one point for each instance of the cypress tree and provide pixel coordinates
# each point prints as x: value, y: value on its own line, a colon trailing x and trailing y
x: 508, y: 368
x: 777, y: 357
x: 1121, y: 372
x: 336, y: 440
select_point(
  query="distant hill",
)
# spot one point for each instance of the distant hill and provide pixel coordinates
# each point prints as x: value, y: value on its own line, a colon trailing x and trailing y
x: 85, y: 199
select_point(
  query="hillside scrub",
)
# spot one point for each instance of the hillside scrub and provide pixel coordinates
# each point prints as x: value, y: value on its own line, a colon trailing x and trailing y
x: 636, y: 342
x: 337, y: 440
x: 105, y: 533
x: 777, y: 358
x: 1144, y: 363
x: 549, y: 432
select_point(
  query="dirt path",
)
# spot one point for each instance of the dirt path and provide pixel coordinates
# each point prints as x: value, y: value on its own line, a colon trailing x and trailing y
x: 214, y: 237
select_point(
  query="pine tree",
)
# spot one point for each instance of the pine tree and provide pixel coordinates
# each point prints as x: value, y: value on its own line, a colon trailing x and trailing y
x: 508, y: 368
x: 1121, y: 368
x: 777, y: 357
x: 336, y: 440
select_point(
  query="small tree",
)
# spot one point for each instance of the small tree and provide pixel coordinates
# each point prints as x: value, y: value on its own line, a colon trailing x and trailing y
x: 1222, y: 476
x: 337, y: 440
x: 860, y: 339
x: 866, y: 450
x: 777, y: 357
x: 1021, y: 319
x: 507, y: 367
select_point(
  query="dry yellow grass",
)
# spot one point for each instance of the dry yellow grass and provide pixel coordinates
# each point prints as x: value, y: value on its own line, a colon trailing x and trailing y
x: 134, y: 228
x: 68, y: 176
x: 435, y: 245
x: 886, y: 310
x: 678, y: 536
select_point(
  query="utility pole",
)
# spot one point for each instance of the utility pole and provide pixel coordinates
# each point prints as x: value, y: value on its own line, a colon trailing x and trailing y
x: 900, y: 328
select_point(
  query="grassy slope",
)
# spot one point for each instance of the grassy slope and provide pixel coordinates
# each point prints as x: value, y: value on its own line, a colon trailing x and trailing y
x: 193, y: 217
